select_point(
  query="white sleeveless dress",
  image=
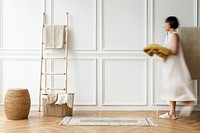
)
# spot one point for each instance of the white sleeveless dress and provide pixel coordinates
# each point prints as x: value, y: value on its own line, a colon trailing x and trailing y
x: 177, y: 83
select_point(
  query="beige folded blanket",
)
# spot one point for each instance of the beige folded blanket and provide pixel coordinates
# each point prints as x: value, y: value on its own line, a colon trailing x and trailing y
x: 54, y: 36
x: 52, y: 98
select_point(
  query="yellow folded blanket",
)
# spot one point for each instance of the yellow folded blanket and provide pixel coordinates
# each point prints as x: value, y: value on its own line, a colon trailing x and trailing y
x: 157, y: 49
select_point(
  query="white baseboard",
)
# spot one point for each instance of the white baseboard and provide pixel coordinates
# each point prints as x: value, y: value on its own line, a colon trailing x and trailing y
x: 116, y: 108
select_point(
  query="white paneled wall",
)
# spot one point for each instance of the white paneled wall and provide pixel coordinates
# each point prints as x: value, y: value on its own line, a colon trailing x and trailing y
x: 82, y: 24
x: 107, y: 67
x: 82, y: 79
x: 21, y: 73
x: 124, y: 82
x: 185, y: 10
x: 21, y: 24
x: 124, y: 24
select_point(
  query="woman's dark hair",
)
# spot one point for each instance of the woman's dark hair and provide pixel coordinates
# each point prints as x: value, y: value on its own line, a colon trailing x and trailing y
x: 173, y: 22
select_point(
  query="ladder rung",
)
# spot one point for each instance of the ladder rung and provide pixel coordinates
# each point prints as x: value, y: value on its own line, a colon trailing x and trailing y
x: 53, y: 73
x: 52, y: 58
x: 53, y: 89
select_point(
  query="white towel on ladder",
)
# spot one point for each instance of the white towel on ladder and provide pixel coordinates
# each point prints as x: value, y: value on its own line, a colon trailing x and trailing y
x: 54, y: 36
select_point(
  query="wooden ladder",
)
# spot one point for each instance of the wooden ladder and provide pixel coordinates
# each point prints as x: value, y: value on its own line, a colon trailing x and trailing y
x: 43, y: 61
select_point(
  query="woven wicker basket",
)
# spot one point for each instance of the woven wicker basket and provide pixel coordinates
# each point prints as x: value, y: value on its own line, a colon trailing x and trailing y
x: 59, y: 110
x: 17, y: 104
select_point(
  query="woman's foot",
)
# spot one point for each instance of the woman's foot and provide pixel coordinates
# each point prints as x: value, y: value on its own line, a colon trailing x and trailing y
x: 168, y: 116
x: 173, y: 115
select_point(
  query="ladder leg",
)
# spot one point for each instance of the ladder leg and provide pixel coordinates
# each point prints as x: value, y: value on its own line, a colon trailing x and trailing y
x: 66, y: 53
x: 41, y: 64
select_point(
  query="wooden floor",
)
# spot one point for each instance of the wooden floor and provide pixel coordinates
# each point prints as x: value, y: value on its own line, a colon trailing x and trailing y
x: 36, y: 123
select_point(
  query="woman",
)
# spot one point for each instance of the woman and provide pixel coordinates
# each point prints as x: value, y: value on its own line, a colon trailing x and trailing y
x: 177, y: 82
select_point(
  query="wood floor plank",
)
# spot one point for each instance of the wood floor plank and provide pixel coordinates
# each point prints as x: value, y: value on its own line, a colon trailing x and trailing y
x: 37, y: 123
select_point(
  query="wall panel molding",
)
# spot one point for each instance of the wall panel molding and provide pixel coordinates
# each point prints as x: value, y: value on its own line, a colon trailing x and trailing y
x: 93, y: 60
x: 145, y: 63
x: 1, y: 82
x: 94, y: 88
x: 93, y: 46
x: 196, y: 8
x: 19, y: 60
x: 145, y: 37
x: 71, y: 84
x: 25, y: 40
x: 155, y: 32
x: 1, y: 23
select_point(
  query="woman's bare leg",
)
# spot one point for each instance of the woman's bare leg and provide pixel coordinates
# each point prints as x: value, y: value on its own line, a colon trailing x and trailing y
x: 172, y: 111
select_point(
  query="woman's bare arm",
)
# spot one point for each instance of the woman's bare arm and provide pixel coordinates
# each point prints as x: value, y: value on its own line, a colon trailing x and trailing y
x: 175, y: 43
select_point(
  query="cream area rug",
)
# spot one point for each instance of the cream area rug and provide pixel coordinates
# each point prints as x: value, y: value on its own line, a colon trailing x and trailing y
x: 107, y: 121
